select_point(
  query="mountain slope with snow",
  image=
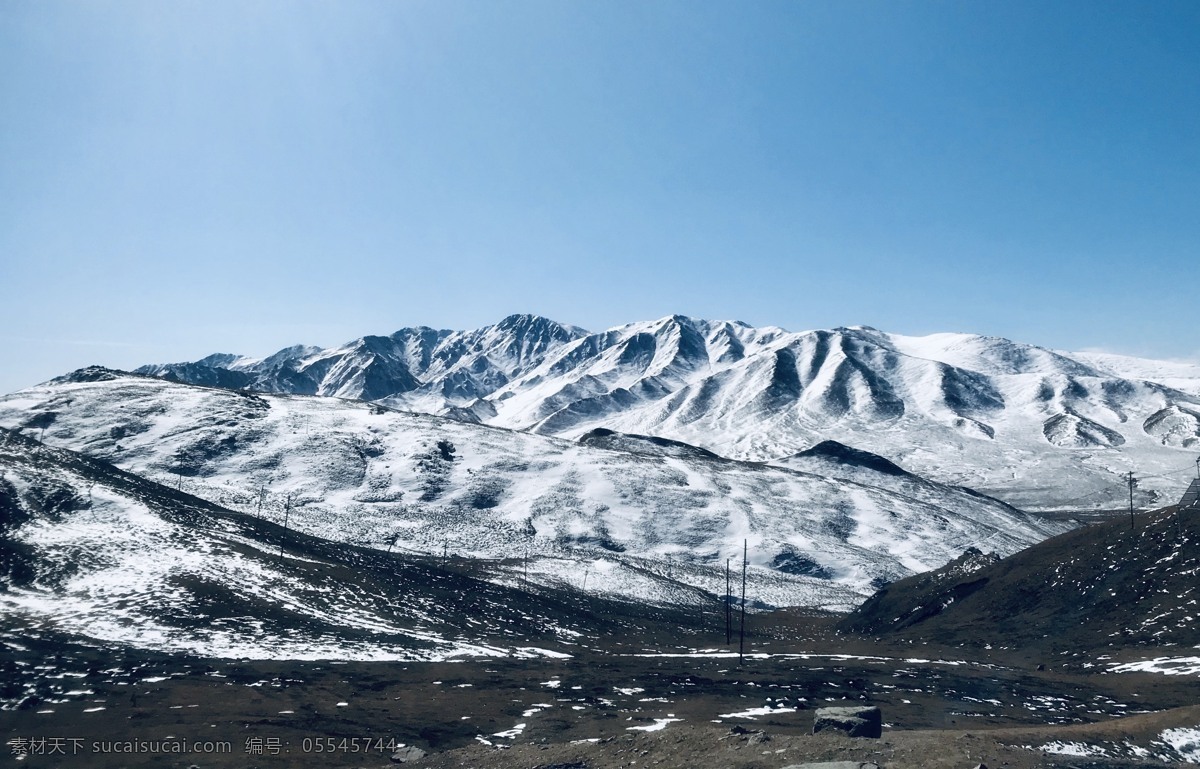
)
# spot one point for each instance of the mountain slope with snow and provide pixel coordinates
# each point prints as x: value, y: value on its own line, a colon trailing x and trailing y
x: 90, y: 551
x: 1038, y: 428
x: 361, y: 474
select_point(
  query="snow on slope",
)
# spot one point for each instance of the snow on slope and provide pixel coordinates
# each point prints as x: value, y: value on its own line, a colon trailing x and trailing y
x: 1021, y: 423
x: 1038, y: 428
x: 96, y: 553
x: 354, y: 472
x: 1180, y: 375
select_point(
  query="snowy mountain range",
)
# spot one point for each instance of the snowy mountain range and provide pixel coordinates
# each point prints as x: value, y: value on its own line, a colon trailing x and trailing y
x: 1038, y: 428
x: 629, y: 516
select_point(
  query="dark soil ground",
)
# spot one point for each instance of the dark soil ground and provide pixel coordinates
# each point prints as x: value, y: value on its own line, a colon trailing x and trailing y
x: 943, y: 707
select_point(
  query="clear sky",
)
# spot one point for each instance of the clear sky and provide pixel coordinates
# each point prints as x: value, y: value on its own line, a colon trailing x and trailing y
x: 179, y: 178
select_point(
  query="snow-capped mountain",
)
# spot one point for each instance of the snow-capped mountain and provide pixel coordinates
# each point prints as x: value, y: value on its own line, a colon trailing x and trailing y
x: 626, y: 510
x: 438, y: 369
x: 1038, y: 428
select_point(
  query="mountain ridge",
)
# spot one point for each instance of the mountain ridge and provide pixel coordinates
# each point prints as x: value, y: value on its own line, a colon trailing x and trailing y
x: 766, y: 393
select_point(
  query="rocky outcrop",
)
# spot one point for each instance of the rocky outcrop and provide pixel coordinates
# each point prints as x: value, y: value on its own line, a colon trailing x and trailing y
x: 406, y: 754
x: 864, y: 721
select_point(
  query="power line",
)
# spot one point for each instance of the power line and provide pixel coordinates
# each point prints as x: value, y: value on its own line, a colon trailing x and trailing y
x: 1188, y: 468
x: 1125, y: 478
x: 728, y: 606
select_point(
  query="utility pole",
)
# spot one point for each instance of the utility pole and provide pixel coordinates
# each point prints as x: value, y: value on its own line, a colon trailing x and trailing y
x: 1132, y: 485
x: 180, y: 456
x: 742, y: 631
x: 728, y: 606
x: 287, y: 512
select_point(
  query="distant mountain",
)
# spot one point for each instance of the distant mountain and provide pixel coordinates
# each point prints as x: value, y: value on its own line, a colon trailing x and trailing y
x: 1038, y: 428
x: 442, y: 368
x: 628, y: 510
x: 1100, y: 586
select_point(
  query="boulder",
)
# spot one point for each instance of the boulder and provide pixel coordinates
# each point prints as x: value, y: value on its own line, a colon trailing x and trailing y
x: 410, y: 753
x: 854, y: 721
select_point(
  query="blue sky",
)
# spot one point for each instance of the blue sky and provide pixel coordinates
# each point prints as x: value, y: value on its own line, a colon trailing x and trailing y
x: 189, y: 177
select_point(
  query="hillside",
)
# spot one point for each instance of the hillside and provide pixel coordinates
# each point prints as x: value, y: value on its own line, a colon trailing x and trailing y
x: 609, y: 512
x: 87, y: 550
x: 1094, y: 589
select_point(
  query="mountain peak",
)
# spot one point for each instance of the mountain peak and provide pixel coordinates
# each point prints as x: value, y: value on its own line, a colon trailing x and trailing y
x: 524, y: 323
x: 524, y: 320
x: 679, y: 320
x: 848, y: 455
x: 92, y: 374
x: 648, y: 445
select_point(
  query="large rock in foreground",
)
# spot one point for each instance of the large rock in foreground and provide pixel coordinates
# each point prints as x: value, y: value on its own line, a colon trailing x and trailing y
x: 854, y: 721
